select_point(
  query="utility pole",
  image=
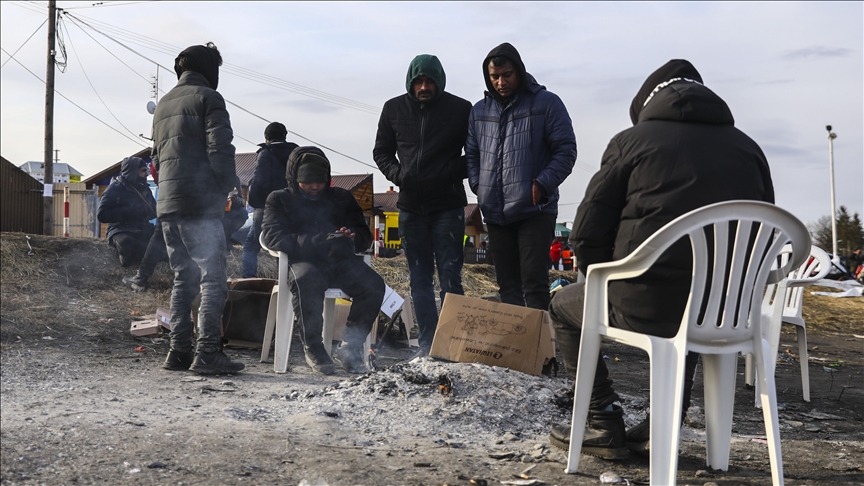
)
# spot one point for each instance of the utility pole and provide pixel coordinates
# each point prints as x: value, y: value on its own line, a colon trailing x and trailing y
x: 831, y: 137
x: 48, y: 180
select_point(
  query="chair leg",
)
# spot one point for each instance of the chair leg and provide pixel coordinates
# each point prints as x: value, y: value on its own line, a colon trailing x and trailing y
x: 719, y: 376
x: 589, y: 351
x: 284, y: 331
x: 749, y: 370
x: 768, y: 396
x: 271, y: 323
x: 329, y: 317
x: 804, y: 359
x: 667, y: 394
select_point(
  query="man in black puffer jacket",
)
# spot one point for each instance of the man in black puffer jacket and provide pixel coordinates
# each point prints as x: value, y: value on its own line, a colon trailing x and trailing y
x: 520, y: 148
x: 193, y: 152
x: 269, y: 176
x: 127, y: 205
x: 682, y: 153
x: 321, y: 228
x: 418, y: 147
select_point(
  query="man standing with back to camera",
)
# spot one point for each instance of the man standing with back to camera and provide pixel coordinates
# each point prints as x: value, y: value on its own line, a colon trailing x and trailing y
x: 193, y: 152
x: 419, y: 148
x: 520, y: 148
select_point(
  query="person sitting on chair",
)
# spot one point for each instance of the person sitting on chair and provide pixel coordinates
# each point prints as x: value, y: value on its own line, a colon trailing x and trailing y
x: 682, y: 153
x: 320, y: 228
x: 127, y: 205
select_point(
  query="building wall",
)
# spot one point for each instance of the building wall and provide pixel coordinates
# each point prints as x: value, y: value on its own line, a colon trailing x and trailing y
x: 21, y: 204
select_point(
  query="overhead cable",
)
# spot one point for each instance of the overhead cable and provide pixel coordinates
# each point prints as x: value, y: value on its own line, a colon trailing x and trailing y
x: 91, y: 82
x: 25, y: 42
x: 73, y: 103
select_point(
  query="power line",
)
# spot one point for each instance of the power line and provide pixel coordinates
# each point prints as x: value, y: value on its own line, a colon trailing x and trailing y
x: 70, y: 101
x: 26, y: 41
x: 107, y: 50
x: 229, y: 102
x: 63, y: 24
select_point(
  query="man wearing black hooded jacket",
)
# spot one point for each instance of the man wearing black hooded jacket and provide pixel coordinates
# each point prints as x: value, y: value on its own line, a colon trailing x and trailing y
x: 193, y: 152
x: 320, y: 228
x: 682, y: 153
x: 127, y: 205
x: 269, y: 176
x: 418, y: 147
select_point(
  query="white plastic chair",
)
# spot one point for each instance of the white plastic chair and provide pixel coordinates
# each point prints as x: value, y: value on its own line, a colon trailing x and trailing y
x: 280, y: 316
x: 724, y: 330
x: 788, y: 311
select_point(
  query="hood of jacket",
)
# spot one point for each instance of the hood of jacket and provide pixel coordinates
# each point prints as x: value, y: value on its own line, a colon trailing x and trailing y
x: 129, y: 170
x: 507, y: 50
x: 674, y: 92
x: 294, y: 162
x: 203, y: 60
x: 429, y: 66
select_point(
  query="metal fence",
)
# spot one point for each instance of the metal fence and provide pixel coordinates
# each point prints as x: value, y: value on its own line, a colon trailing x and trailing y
x: 477, y: 255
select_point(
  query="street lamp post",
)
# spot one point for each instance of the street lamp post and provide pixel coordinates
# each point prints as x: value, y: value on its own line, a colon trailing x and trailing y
x: 831, y: 137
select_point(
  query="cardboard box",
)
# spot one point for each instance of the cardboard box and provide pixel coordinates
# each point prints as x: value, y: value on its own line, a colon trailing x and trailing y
x: 145, y: 328
x: 392, y: 301
x: 480, y: 331
x: 245, y: 316
x: 163, y: 315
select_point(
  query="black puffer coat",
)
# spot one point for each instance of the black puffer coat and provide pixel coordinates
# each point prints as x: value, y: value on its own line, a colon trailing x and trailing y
x: 297, y: 225
x: 127, y: 205
x: 192, y: 150
x: 419, y: 145
x: 683, y: 153
x: 269, y: 171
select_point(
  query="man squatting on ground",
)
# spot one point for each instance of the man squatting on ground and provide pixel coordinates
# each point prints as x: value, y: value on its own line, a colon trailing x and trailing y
x: 195, y: 158
x: 127, y: 205
x: 320, y: 228
x: 682, y: 153
x: 269, y: 176
x: 419, y: 148
x: 520, y: 148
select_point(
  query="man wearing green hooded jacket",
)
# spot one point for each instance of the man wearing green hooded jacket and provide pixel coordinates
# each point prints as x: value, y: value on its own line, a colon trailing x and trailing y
x: 418, y: 147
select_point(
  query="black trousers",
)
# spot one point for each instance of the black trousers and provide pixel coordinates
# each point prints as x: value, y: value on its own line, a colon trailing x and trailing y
x: 308, y: 281
x: 130, y: 246
x: 520, y: 252
x: 566, y: 312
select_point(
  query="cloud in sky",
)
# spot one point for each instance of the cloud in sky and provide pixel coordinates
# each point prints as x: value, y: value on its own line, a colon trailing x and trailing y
x: 594, y: 55
x: 818, y: 51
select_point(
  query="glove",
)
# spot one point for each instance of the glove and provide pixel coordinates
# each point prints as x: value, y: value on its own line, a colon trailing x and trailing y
x: 341, y: 248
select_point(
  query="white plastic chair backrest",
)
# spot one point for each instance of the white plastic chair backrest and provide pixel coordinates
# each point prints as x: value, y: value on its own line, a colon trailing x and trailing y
x: 811, y: 271
x: 757, y: 231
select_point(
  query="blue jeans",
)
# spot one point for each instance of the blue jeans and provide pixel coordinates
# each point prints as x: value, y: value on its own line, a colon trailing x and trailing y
x: 251, y: 247
x: 432, y: 240
x: 196, y: 252
x: 520, y: 252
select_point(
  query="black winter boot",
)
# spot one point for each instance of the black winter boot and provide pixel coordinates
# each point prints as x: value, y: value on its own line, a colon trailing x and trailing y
x: 137, y: 282
x: 350, y: 358
x: 318, y: 359
x: 604, y: 435
x: 639, y: 438
x: 214, y: 363
x: 178, y: 360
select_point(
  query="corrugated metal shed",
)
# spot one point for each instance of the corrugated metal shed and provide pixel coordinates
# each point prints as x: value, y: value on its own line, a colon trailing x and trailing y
x: 21, y: 205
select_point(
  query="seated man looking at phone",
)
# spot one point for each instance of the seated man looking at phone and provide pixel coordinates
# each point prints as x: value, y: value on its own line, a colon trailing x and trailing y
x: 321, y: 228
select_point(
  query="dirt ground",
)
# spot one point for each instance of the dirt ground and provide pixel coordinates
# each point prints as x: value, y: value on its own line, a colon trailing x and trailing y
x: 81, y: 406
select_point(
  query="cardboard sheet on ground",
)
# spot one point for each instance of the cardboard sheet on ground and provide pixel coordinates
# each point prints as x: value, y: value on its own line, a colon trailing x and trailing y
x: 480, y: 331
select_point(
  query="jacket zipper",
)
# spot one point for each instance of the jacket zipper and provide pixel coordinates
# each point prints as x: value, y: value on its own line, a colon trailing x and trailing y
x: 420, y: 156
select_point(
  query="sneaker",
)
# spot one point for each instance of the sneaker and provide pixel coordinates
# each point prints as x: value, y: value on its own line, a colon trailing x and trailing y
x: 178, y: 360
x: 214, y: 363
x: 350, y: 358
x: 639, y: 438
x: 604, y: 435
x: 318, y: 359
x: 136, y: 282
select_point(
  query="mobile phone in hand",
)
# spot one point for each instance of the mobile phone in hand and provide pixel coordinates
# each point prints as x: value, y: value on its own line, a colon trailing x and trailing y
x: 335, y: 235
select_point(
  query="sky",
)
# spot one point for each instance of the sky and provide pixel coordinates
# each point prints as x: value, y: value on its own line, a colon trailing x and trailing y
x: 324, y: 69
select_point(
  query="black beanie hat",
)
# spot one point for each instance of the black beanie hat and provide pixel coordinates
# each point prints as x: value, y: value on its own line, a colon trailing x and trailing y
x: 275, y: 132
x: 313, y: 168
